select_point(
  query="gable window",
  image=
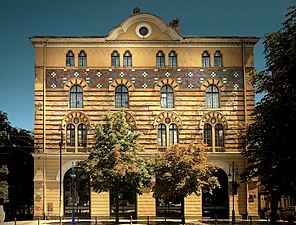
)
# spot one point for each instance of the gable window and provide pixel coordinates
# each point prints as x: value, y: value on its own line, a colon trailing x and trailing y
x: 208, y: 134
x: 115, y: 59
x: 219, y: 135
x: 172, y: 59
x: 217, y: 59
x: 212, y: 97
x: 70, y: 135
x: 127, y: 59
x: 205, y: 59
x: 82, y: 59
x: 121, y: 97
x: 167, y: 133
x: 70, y: 59
x: 76, y: 97
x: 160, y: 59
x: 167, y: 97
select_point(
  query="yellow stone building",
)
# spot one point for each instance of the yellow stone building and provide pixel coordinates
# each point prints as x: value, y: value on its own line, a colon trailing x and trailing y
x: 174, y: 88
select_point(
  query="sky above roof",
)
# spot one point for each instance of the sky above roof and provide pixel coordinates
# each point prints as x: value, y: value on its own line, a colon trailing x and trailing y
x: 20, y: 20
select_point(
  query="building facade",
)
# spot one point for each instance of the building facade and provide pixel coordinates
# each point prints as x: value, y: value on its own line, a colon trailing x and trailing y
x: 173, y: 88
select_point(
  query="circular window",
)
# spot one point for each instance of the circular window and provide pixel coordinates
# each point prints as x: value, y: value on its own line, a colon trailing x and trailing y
x: 143, y: 30
x: 167, y: 120
x: 213, y: 120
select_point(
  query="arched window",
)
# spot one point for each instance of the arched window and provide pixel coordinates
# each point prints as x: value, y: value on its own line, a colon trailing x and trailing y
x: 172, y: 59
x: 121, y: 97
x: 162, y: 138
x: 82, y: 59
x: 76, y: 97
x: 212, y: 97
x: 205, y: 59
x: 219, y: 135
x: 173, y: 134
x: 208, y: 134
x: 82, y: 135
x: 217, y: 59
x: 160, y: 59
x: 115, y: 59
x: 127, y: 59
x: 167, y: 97
x: 70, y: 135
x: 70, y: 59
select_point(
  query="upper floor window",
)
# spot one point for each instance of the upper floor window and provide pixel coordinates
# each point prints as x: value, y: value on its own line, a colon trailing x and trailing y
x: 219, y: 135
x: 82, y: 59
x: 76, y: 97
x: 167, y: 97
x: 172, y: 59
x: 70, y: 59
x: 212, y: 97
x: 121, y: 97
x: 82, y: 135
x: 76, y: 135
x: 167, y: 133
x: 208, y: 134
x: 70, y: 135
x: 217, y: 59
x: 162, y: 137
x: 115, y: 59
x: 218, y: 131
x: 160, y: 59
x: 173, y: 134
x: 205, y: 59
x: 127, y: 59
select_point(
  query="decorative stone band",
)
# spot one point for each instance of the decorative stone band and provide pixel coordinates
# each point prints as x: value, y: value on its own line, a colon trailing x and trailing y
x: 187, y: 78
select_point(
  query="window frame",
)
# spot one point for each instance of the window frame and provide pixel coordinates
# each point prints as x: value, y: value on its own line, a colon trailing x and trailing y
x: 127, y: 59
x: 205, y: 59
x: 212, y: 97
x: 70, y: 59
x: 76, y: 95
x: 160, y: 62
x: 173, y: 59
x: 218, y: 59
x: 115, y: 59
x: 219, y: 139
x: 208, y: 135
x: 82, y: 59
x: 120, y: 96
x: 167, y: 97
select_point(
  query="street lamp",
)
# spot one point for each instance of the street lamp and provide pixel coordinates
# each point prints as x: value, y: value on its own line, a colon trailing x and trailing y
x: 73, y: 193
x: 233, y: 171
x: 61, y: 146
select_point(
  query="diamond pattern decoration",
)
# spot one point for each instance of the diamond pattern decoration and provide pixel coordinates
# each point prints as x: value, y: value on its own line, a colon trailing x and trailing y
x: 53, y: 74
x: 144, y: 85
x: 76, y: 74
x: 213, y: 74
x: 167, y: 74
x: 144, y: 74
x: 121, y: 74
x: 190, y: 74
x: 190, y: 86
x: 99, y: 74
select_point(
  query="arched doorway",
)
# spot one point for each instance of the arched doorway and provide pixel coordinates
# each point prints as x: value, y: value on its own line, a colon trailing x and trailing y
x: 81, y: 186
x: 217, y: 205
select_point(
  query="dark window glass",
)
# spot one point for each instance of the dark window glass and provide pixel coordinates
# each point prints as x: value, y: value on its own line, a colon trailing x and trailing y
x: 143, y: 31
x: 121, y: 97
x: 212, y: 97
x: 173, y: 134
x: 70, y: 59
x: 115, y: 59
x: 127, y: 59
x: 82, y: 59
x: 76, y: 97
x: 70, y: 135
x: 217, y: 59
x: 205, y: 59
x: 161, y: 135
x: 160, y: 59
x: 208, y: 134
x: 172, y: 59
x: 82, y: 135
x: 167, y: 97
x: 219, y: 135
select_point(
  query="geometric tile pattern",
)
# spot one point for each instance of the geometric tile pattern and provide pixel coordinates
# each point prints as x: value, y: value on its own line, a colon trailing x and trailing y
x: 187, y: 78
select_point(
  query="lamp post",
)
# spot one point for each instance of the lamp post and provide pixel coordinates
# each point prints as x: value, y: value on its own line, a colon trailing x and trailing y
x: 232, y: 173
x: 73, y: 193
x: 61, y: 146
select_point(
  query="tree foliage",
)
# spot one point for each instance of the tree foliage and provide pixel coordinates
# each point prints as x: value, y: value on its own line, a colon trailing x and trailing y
x: 272, y: 157
x: 183, y: 170
x: 3, y: 184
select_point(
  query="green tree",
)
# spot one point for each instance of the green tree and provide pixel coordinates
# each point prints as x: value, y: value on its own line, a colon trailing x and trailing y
x: 271, y: 155
x: 183, y: 170
x: 3, y: 184
x: 113, y: 163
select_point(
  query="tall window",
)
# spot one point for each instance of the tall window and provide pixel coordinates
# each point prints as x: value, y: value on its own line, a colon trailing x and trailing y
x: 212, y: 97
x: 217, y: 59
x: 208, y: 134
x: 167, y: 133
x: 70, y: 59
x: 82, y: 59
x: 172, y: 59
x: 115, y: 59
x: 70, y: 135
x: 76, y: 97
x: 205, y: 59
x: 127, y: 59
x: 167, y: 97
x: 173, y: 134
x: 162, y: 140
x: 121, y: 97
x: 160, y: 59
x: 219, y: 135
x: 81, y: 135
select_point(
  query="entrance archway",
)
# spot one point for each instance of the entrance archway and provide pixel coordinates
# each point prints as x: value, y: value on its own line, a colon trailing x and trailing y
x: 217, y: 205
x: 81, y: 186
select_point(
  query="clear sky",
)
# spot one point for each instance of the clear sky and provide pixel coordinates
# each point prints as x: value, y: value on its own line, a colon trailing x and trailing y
x: 21, y: 19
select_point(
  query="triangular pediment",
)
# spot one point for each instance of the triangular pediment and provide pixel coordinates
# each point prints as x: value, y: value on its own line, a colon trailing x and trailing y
x: 143, y: 26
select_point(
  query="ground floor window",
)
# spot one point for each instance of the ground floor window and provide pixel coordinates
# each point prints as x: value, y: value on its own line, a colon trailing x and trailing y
x: 172, y: 208
x: 127, y: 203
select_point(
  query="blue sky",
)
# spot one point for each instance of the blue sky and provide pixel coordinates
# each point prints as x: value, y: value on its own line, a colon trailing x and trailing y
x: 21, y: 19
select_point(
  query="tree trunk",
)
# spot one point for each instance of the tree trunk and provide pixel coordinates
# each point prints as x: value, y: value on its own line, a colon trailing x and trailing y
x: 117, y: 209
x: 182, y: 211
x: 274, y: 207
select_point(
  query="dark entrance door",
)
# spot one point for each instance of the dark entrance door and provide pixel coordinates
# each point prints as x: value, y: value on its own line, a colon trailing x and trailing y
x: 80, y: 185
x: 217, y: 205
x: 127, y: 205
